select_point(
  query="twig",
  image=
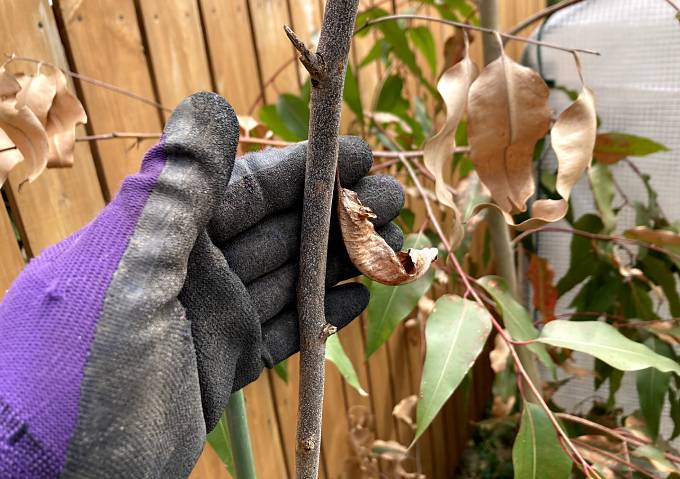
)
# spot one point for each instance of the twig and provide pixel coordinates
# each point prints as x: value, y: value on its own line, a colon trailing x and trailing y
x: 674, y: 5
x: 623, y: 438
x: 509, y: 341
x: 327, y: 71
x: 472, y: 27
x: 93, y: 81
x: 595, y: 236
x: 546, y: 12
x: 269, y: 81
x: 614, y: 457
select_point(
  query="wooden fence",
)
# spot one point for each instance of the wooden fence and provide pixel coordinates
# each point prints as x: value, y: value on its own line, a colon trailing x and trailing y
x: 164, y: 50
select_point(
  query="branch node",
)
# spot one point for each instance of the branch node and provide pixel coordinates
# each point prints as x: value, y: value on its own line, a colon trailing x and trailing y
x: 328, y: 330
x: 313, y: 62
x: 307, y: 444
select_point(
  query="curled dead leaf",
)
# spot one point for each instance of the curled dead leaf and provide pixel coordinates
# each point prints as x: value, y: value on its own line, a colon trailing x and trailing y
x: 499, y: 355
x: 502, y: 407
x: 404, y: 410
x: 369, y: 252
x: 22, y: 127
x: 453, y: 86
x: 65, y: 113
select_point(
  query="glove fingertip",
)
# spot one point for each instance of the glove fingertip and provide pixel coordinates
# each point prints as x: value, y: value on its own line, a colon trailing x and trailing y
x: 346, y: 302
x: 355, y: 159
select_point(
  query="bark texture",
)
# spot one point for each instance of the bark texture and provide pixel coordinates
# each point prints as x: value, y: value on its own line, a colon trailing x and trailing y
x: 327, y: 69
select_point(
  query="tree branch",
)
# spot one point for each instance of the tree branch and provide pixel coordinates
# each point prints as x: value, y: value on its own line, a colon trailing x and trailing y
x: 327, y: 68
x: 473, y: 27
x: 546, y: 12
x: 92, y: 81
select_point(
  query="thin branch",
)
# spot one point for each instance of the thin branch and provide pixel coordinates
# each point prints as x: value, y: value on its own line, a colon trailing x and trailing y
x: 615, y: 458
x: 270, y: 80
x: 674, y: 5
x: 546, y: 12
x: 472, y: 27
x: 595, y: 236
x: 623, y: 438
x: 92, y: 81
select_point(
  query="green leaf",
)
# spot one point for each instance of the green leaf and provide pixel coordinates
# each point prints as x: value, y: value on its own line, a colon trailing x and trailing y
x: 219, y: 441
x: 537, y: 453
x: 395, y: 36
x: 281, y: 370
x: 390, y: 99
x: 351, y: 94
x: 584, y: 258
x: 614, y: 146
x: 269, y: 116
x: 605, y: 343
x: 389, y: 305
x: 515, y: 318
x: 380, y: 49
x: 602, y: 185
x: 675, y: 413
x: 661, y: 273
x: 336, y: 354
x: 295, y: 114
x: 423, y: 40
x: 455, y: 334
x: 651, y: 387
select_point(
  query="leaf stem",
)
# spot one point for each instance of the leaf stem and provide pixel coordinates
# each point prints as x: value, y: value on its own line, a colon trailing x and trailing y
x: 405, y: 16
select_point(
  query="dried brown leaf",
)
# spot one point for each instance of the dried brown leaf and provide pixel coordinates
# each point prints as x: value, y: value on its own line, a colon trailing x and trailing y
x: 8, y: 159
x: 22, y: 127
x: 66, y: 112
x: 455, y: 47
x: 404, y: 410
x: 453, y: 86
x: 542, y: 277
x: 502, y: 407
x: 498, y: 357
x: 369, y: 252
x: 573, y: 140
x: 655, y: 237
x: 507, y: 114
x: 37, y: 93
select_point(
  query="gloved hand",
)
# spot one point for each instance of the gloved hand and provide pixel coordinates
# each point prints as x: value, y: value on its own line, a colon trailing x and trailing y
x: 120, y: 345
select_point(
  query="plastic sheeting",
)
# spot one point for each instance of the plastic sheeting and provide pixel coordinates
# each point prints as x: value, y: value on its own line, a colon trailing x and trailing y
x: 636, y: 81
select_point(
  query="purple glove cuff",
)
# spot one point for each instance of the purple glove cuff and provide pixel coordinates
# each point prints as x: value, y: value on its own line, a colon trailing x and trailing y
x: 49, y: 321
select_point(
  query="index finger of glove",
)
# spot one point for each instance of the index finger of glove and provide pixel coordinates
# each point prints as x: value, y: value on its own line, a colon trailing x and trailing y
x: 272, y: 180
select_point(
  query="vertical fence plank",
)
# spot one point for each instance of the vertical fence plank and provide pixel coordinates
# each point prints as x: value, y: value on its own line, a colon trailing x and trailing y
x: 11, y: 261
x: 232, y: 52
x: 105, y: 43
x: 177, y: 50
x: 267, y: 448
x: 274, y: 51
x: 510, y: 14
x: 335, y: 436
x: 209, y: 466
x: 61, y: 200
x: 286, y: 400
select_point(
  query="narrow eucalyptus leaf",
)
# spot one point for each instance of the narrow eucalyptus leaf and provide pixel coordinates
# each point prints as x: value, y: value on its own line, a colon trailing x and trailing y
x: 537, y: 454
x: 455, y: 334
x: 605, y: 343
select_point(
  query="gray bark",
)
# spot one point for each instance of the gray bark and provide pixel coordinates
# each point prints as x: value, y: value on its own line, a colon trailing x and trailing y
x: 327, y: 69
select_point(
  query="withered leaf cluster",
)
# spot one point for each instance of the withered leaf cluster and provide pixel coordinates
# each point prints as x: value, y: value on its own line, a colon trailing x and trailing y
x: 508, y: 112
x: 38, y: 116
